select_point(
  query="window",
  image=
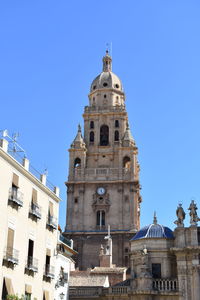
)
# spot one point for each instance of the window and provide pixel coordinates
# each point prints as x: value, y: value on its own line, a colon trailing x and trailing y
x: 105, y: 84
x: 15, y: 196
x: 91, y: 124
x: 104, y: 96
x: 117, y: 86
x: 76, y: 200
x: 104, y: 135
x: 92, y: 137
x: 126, y: 162
x: 156, y: 270
x: 77, y: 163
x: 116, y: 123
x: 100, y: 218
x: 116, y: 135
x: 94, y: 87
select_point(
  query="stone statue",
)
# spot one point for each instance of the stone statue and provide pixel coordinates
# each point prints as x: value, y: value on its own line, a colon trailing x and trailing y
x: 180, y: 215
x: 193, y: 213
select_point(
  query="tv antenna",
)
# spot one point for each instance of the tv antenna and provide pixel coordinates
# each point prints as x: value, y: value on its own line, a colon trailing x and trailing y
x: 14, y: 147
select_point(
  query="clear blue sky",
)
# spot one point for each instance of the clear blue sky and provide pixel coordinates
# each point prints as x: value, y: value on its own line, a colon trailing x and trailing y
x: 51, y: 51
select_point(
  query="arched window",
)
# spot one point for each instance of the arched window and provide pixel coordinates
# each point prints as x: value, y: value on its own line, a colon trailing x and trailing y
x: 91, y: 124
x: 101, y: 218
x: 77, y: 163
x: 126, y: 162
x: 116, y: 123
x: 92, y: 137
x: 104, y: 135
x: 116, y: 135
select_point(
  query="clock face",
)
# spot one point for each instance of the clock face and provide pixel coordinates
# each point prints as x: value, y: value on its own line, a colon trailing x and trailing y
x: 101, y: 191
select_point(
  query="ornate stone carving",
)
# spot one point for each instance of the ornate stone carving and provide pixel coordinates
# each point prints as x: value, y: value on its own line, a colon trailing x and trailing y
x: 180, y: 215
x: 101, y: 202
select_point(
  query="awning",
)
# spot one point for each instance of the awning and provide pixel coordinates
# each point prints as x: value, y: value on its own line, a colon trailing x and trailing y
x: 48, y: 252
x: 34, y: 196
x: 15, y: 180
x: 28, y: 288
x: 9, y: 286
x: 46, y: 295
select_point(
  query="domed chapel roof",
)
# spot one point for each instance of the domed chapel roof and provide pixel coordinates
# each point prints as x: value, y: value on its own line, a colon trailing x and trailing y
x: 153, y: 231
x: 107, y: 79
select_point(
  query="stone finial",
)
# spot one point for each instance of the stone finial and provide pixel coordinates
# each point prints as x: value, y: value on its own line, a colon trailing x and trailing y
x: 127, y: 135
x: 180, y: 216
x: 78, y: 141
x: 193, y: 213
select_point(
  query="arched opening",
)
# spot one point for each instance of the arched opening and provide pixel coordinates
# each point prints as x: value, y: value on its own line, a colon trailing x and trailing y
x: 104, y: 135
x: 116, y: 135
x: 126, y: 162
x: 92, y: 137
x: 101, y: 218
x: 77, y: 163
x: 116, y: 123
x: 91, y: 124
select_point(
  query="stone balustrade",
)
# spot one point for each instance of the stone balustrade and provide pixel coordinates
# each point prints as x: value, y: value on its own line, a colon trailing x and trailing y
x: 97, y: 291
x: 101, y: 173
x: 165, y: 284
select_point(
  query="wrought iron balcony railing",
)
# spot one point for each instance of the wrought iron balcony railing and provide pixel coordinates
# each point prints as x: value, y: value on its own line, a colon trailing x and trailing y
x: 49, y: 271
x: 35, y: 210
x: 11, y: 255
x: 52, y: 222
x: 32, y: 264
x: 15, y: 196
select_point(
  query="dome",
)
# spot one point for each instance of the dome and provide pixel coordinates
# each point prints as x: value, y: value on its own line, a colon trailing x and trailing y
x: 107, y: 79
x: 153, y: 231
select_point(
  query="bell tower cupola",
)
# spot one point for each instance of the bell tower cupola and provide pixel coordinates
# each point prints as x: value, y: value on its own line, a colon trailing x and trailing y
x: 107, y: 62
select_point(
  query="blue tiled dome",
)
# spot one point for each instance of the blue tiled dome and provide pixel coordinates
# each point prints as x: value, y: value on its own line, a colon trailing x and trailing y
x: 153, y: 231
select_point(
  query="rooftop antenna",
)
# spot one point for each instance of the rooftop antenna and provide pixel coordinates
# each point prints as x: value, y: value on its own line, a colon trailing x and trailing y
x: 14, y: 146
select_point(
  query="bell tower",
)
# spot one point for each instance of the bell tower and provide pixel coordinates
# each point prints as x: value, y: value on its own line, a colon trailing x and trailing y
x: 103, y: 184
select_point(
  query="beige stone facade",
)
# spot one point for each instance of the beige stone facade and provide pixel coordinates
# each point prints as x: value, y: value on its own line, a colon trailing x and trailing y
x: 28, y: 222
x: 103, y: 184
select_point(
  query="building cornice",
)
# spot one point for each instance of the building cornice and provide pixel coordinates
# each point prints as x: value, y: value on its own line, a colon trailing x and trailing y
x: 28, y: 175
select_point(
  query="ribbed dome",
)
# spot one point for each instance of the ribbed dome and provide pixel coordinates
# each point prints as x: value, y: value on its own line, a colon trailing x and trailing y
x: 153, y: 231
x: 106, y: 80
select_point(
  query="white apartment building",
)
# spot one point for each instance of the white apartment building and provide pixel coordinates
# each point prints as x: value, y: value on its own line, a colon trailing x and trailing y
x: 28, y: 222
x: 64, y: 264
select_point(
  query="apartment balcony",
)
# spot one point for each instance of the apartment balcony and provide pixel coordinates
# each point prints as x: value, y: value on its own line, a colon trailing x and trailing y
x: 65, y: 240
x: 11, y: 255
x: 32, y: 264
x: 165, y: 285
x: 15, y: 197
x: 52, y: 222
x: 49, y: 271
x: 35, y: 211
x: 105, y: 108
x: 90, y: 174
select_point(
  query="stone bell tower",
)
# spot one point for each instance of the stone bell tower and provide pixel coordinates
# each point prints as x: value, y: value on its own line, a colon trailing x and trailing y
x: 103, y: 184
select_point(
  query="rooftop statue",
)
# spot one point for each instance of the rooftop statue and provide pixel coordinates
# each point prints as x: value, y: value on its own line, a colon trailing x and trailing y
x: 193, y: 213
x: 180, y: 215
